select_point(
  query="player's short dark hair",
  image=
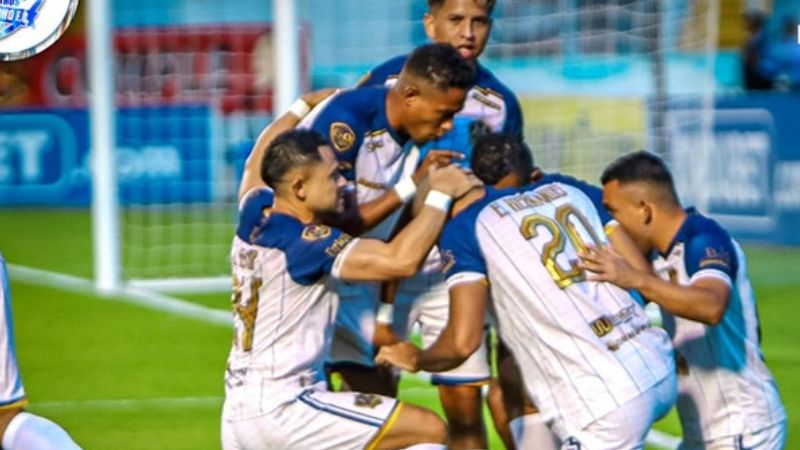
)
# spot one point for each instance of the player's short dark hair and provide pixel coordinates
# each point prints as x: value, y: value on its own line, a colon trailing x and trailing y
x: 641, y: 166
x: 441, y: 65
x: 496, y: 155
x: 435, y: 4
x: 290, y: 149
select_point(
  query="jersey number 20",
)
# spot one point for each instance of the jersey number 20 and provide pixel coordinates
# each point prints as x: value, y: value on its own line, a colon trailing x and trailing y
x: 563, y: 229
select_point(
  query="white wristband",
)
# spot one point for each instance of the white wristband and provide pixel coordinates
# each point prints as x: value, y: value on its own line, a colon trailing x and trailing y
x: 405, y: 189
x: 299, y: 108
x: 385, y: 314
x: 438, y: 199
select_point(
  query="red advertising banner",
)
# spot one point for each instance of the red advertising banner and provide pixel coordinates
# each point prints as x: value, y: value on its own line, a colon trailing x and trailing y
x: 226, y: 66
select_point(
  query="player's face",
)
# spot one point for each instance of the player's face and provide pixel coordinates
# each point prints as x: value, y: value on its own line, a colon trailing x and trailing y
x: 627, y: 208
x: 464, y: 24
x: 430, y: 112
x: 324, y: 184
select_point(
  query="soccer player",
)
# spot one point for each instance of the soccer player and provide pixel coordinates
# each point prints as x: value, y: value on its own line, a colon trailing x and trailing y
x: 589, y: 358
x: 285, y: 266
x: 19, y: 429
x: 466, y: 25
x: 372, y: 130
x: 727, y: 396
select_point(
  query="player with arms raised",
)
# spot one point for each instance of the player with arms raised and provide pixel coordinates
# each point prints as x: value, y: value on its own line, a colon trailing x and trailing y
x: 285, y: 264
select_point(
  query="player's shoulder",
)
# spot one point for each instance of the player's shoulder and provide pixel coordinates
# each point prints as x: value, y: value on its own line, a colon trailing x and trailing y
x: 467, y: 216
x: 253, y: 210
x: 359, y: 105
x: 350, y: 115
x: 384, y: 71
x: 486, y: 79
x: 699, y: 226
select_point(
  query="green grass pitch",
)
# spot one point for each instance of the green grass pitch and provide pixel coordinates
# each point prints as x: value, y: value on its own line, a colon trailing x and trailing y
x: 120, y: 376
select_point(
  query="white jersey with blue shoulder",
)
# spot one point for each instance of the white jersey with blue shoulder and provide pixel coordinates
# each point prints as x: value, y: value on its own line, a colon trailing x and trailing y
x: 488, y: 101
x: 584, y: 347
x: 284, y: 305
x: 725, y: 388
x: 12, y: 393
x: 371, y: 154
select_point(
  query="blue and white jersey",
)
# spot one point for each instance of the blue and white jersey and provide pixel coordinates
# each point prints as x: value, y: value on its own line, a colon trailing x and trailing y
x: 372, y: 156
x: 584, y: 347
x: 488, y: 101
x: 12, y: 393
x: 284, y: 304
x: 725, y: 388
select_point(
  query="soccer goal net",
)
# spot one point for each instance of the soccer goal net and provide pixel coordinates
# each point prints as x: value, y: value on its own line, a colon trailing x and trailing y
x: 596, y: 78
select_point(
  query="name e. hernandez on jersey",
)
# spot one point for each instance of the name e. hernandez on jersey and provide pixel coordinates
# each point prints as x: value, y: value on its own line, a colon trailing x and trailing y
x: 372, y: 156
x: 584, y: 347
x: 725, y: 387
x: 284, y: 303
x: 488, y: 101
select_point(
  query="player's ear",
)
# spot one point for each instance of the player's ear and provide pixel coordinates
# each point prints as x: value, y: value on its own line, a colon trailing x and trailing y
x: 428, y: 23
x: 298, y: 185
x: 646, y: 211
x: 410, y: 92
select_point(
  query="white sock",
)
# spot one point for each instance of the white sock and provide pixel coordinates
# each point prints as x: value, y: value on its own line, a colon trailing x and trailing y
x: 28, y: 431
x: 427, y: 447
x: 531, y: 431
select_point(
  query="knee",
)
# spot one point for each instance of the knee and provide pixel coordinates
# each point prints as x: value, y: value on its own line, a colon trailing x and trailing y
x: 436, y: 429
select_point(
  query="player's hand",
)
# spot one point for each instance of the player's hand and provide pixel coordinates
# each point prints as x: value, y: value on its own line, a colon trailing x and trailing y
x: 436, y: 158
x: 403, y: 355
x: 452, y: 180
x: 603, y: 264
x: 384, y: 335
x: 314, y: 98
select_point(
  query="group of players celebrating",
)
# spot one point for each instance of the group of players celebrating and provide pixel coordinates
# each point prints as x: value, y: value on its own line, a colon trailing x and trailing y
x: 421, y: 174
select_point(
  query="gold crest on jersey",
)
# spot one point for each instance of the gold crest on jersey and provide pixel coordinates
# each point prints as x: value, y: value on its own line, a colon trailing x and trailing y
x: 315, y: 232
x: 342, y: 136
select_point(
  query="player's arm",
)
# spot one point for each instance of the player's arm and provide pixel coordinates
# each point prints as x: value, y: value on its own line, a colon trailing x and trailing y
x: 704, y: 299
x: 460, y: 338
x: 251, y: 177
x: 624, y: 246
x: 374, y: 260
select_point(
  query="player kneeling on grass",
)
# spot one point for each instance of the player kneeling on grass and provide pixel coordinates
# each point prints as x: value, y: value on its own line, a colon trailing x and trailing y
x: 20, y: 430
x: 285, y: 268
x: 727, y: 396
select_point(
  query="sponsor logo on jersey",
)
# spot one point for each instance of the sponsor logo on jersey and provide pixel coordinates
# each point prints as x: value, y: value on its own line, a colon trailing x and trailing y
x: 715, y: 257
x: 44, y: 22
x: 315, y: 232
x: 448, y: 260
x: 338, y: 245
x: 342, y: 136
x: 367, y: 400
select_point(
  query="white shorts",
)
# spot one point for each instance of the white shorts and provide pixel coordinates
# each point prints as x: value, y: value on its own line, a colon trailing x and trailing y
x: 769, y: 438
x: 316, y: 419
x: 12, y: 394
x: 424, y: 299
x: 627, y: 426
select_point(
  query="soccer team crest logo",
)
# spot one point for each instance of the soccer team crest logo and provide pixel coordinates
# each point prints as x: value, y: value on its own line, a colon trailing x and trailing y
x: 29, y: 26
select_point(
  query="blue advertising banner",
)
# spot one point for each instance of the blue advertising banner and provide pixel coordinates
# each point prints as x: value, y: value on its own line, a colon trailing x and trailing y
x: 749, y: 179
x: 163, y: 156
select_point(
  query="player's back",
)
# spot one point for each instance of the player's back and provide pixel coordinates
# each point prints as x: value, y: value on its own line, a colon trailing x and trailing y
x: 726, y: 387
x: 584, y: 347
x: 284, y: 304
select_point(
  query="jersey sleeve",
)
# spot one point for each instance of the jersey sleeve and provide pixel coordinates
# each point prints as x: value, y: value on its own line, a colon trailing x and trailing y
x: 514, y: 124
x: 317, y: 253
x: 251, y: 210
x: 462, y: 257
x: 382, y: 72
x: 339, y: 124
x: 710, y: 254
